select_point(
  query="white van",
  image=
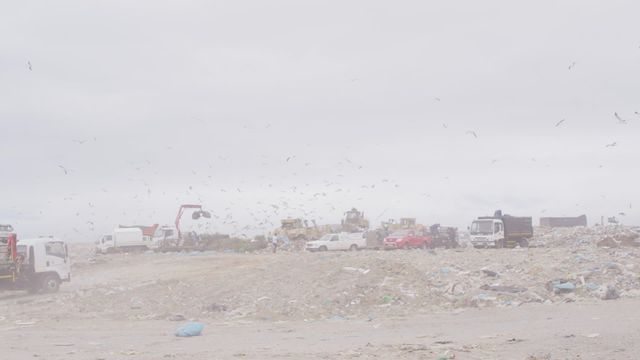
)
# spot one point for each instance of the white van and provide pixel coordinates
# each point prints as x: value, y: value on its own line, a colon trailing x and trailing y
x: 340, y: 241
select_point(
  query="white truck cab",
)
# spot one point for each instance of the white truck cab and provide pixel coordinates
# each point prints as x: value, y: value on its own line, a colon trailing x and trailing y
x: 45, y: 263
x: 501, y: 231
x: 487, y: 233
x: 339, y: 241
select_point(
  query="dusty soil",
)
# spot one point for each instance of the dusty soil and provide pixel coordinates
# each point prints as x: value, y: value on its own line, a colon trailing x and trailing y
x: 463, y: 304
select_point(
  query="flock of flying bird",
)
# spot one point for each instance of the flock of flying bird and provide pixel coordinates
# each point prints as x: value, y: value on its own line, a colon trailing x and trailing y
x: 264, y: 214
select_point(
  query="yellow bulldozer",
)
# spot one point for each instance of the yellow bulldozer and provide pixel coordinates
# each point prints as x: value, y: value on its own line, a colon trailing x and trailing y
x: 354, y: 221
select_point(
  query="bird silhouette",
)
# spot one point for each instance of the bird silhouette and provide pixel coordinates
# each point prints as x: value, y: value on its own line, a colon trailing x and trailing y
x: 472, y: 133
x: 620, y: 120
x: 560, y: 122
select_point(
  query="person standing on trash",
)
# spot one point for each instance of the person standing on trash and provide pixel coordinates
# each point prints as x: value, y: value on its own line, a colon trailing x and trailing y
x: 274, y: 243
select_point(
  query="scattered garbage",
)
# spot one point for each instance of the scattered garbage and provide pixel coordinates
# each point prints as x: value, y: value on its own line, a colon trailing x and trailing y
x: 499, y: 288
x: 611, y: 293
x: 561, y: 286
x: 190, y: 329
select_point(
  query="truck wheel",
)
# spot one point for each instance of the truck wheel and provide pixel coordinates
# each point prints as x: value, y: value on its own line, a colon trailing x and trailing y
x: 322, y: 248
x: 353, y: 247
x: 500, y: 244
x: 50, y: 284
x: 523, y: 243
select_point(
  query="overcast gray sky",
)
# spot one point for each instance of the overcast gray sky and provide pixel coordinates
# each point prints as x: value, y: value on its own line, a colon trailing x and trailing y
x: 150, y: 104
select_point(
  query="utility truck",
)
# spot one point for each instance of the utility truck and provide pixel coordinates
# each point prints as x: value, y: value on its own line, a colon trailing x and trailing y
x: 35, y: 265
x: 500, y: 231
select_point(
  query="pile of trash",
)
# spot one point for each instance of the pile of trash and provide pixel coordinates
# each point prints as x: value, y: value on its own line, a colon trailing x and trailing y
x: 347, y: 285
x: 605, y: 236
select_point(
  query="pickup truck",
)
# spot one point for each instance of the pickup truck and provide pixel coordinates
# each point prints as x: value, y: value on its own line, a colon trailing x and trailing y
x: 339, y: 241
x: 404, y: 239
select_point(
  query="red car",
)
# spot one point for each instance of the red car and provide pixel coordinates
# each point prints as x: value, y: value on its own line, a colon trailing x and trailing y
x: 405, y: 239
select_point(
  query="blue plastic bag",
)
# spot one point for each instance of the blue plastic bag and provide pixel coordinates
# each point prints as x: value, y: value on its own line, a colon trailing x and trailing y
x: 190, y: 329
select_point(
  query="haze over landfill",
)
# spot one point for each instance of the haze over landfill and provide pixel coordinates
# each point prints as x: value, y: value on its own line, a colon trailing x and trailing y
x: 117, y: 112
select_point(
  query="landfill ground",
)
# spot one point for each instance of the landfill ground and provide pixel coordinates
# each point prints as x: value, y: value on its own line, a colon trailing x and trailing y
x: 569, y: 301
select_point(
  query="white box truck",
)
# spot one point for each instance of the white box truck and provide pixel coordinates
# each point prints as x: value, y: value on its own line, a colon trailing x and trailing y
x: 125, y: 239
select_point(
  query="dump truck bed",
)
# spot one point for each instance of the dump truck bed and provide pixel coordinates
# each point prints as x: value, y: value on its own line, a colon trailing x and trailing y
x: 517, y: 227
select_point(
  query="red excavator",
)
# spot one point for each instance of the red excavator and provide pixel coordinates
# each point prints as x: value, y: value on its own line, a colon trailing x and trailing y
x: 195, y: 216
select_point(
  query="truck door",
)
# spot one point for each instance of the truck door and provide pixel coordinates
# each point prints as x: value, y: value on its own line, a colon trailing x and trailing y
x: 498, y: 231
x: 55, y: 259
x: 334, y: 244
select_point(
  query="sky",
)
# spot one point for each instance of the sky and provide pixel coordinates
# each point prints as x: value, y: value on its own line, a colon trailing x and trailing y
x: 116, y: 112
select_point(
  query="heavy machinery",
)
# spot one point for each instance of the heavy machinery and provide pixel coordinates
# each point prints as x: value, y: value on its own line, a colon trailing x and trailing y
x: 501, y: 231
x: 354, y: 221
x: 404, y: 224
x: 299, y: 229
x: 444, y: 236
x: 197, y: 214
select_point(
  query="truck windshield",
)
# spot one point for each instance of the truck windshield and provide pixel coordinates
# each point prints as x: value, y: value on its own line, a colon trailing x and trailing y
x: 482, y: 227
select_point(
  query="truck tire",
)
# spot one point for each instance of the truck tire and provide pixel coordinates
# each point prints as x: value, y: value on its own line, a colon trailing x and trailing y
x: 524, y: 243
x: 50, y: 283
x: 353, y: 247
x: 322, y: 248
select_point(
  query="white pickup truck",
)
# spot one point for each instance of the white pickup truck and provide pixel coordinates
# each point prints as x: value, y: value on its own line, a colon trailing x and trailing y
x: 340, y: 241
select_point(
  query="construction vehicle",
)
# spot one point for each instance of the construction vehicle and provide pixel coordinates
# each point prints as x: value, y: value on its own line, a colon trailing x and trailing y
x: 444, y: 236
x: 501, y: 231
x: 354, y: 221
x: 34, y: 264
x: 299, y: 229
x: 403, y: 224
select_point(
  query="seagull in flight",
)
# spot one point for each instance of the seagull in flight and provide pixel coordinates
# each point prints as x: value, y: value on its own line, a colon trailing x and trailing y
x: 472, y: 133
x: 560, y: 122
x: 620, y: 120
x: 572, y: 65
x: 29, y: 65
x: 612, y: 144
x: 66, y: 171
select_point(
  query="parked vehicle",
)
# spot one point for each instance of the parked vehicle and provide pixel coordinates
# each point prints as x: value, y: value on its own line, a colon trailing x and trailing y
x: 125, y: 239
x: 404, y: 239
x: 338, y: 241
x: 34, y: 264
x: 444, y: 236
x: 501, y: 231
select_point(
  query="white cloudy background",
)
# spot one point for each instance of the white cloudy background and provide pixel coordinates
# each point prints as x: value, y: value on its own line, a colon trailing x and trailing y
x: 151, y: 104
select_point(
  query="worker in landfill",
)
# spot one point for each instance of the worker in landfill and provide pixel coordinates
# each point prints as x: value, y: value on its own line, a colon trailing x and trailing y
x: 274, y: 243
